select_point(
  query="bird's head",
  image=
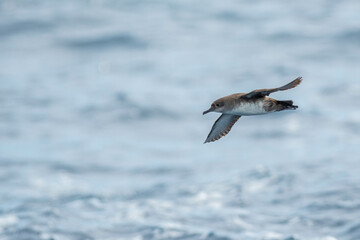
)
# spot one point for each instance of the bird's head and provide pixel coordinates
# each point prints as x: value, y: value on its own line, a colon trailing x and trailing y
x: 217, y: 106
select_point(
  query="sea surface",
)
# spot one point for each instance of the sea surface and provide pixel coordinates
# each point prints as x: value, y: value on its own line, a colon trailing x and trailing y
x: 101, y: 125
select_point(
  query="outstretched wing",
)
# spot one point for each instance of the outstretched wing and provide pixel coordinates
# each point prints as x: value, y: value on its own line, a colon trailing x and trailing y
x: 221, y: 127
x: 266, y: 92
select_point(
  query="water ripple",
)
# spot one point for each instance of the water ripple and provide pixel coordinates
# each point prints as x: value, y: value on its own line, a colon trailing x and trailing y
x: 124, y: 40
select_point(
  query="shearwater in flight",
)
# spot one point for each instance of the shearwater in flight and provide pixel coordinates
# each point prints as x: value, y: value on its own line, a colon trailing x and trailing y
x: 236, y: 105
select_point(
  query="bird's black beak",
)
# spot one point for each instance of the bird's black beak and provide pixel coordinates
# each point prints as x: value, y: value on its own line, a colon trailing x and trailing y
x: 209, y: 110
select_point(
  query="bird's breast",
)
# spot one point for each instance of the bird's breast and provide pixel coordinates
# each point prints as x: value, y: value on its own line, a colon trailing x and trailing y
x: 249, y: 108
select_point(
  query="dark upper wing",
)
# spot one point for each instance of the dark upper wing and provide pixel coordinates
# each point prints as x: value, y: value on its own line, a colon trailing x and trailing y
x: 266, y: 92
x: 221, y: 127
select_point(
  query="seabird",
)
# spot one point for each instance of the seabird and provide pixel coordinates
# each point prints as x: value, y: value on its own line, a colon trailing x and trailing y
x: 236, y: 105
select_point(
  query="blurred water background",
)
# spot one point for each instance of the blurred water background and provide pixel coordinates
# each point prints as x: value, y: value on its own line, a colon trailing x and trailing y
x: 101, y: 131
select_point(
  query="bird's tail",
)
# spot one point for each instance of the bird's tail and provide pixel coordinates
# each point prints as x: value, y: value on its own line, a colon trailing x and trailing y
x: 287, y: 104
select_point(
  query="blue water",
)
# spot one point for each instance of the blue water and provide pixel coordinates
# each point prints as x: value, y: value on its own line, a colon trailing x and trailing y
x: 101, y: 125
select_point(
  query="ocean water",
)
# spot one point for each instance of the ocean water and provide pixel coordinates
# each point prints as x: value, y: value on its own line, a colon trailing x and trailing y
x: 101, y: 125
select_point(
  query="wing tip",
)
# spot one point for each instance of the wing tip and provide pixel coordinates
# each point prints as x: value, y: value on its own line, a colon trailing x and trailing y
x: 292, y: 84
x: 209, y: 140
x: 297, y: 81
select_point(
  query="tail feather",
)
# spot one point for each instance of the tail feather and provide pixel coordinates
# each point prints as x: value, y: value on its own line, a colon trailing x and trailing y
x: 287, y: 104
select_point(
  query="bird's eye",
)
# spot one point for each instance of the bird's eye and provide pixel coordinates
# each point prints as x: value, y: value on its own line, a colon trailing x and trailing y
x: 218, y: 105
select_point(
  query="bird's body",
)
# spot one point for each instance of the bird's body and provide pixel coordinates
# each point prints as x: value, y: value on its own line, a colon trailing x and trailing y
x: 236, y: 105
x: 246, y: 107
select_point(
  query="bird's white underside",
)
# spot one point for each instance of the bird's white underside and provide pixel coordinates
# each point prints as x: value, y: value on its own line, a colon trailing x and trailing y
x: 246, y: 109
